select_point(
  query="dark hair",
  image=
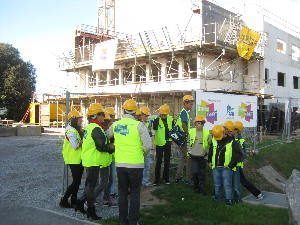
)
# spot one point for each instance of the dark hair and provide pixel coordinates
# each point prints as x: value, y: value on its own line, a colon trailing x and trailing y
x: 74, y: 123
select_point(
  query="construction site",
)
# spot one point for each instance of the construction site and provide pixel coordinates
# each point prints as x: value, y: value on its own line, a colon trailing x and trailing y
x: 215, y: 57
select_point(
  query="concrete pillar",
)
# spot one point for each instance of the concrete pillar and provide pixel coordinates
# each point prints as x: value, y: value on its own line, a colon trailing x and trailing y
x: 163, y: 70
x: 133, y: 73
x: 108, y: 77
x: 199, y: 65
x: 180, y: 68
x: 121, y: 82
x: 147, y: 73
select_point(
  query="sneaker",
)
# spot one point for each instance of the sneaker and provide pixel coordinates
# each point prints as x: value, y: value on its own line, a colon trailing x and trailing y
x: 260, y: 197
x: 229, y: 202
x: 167, y: 182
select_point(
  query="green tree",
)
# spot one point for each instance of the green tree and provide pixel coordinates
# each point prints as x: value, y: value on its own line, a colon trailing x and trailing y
x: 17, y: 82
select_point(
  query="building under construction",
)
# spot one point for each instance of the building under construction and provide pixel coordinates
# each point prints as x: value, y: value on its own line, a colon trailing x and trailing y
x: 160, y: 66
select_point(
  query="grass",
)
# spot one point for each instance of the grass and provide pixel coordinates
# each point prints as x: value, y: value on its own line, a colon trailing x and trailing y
x: 195, y: 209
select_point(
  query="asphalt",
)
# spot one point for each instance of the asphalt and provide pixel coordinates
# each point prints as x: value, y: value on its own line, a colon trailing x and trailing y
x: 21, y: 215
x: 31, y: 175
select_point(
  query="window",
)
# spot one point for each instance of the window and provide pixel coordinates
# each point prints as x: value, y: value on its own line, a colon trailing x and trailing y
x: 295, y: 53
x: 266, y: 75
x: 280, y: 79
x: 281, y: 46
x: 102, y: 78
x: 296, y: 82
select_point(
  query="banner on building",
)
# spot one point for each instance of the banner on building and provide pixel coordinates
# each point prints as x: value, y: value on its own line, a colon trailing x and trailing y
x: 218, y: 108
x: 247, y: 42
x: 105, y: 55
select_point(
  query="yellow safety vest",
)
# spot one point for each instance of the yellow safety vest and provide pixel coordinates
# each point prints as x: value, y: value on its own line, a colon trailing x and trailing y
x: 241, y: 141
x: 179, y: 122
x: 205, y: 137
x: 160, y: 133
x: 90, y: 155
x: 228, y: 154
x: 128, y: 144
x: 71, y: 155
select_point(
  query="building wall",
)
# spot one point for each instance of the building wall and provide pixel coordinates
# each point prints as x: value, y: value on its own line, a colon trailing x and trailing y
x: 279, y: 62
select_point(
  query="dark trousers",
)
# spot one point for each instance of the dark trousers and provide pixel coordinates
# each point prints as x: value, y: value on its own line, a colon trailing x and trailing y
x: 92, y: 174
x: 248, y: 185
x: 163, y: 152
x: 129, y: 183
x: 198, y: 170
x: 72, y: 190
x: 104, y: 179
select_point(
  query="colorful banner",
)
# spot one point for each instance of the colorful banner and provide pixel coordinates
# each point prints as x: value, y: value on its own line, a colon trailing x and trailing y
x: 247, y: 42
x: 104, y: 55
x: 217, y: 108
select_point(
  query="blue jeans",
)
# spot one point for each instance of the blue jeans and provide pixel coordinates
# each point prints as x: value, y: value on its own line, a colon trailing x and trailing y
x: 223, y: 177
x: 237, y: 185
x: 147, y: 169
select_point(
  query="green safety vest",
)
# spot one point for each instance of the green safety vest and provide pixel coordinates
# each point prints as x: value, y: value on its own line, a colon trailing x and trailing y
x: 179, y: 122
x: 228, y: 154
x: 71, y: 155
x: 241, y: 141
x: 90, y: 155
x: 128, y: 144
x: 160, y: 133
x: 205, y: 137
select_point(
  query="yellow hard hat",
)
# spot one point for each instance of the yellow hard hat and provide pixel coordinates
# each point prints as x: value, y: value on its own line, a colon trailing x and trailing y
x: 199, y: 118
x: 107, y: 116
x: 74, y: 114
x: 138, y: 112
x: 239, y: 126
x: 188, y: 98
x: 130, y: 105
x: 229, y: 125
x: 145, y: 110
x: 218, y: 132
x: 164, y: 109
x: 94, y: 109
x: 110, y: 111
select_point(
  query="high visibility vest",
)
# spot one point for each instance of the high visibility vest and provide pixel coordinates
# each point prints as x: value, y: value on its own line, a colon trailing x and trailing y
x: 128, y: 144
x: 228, y: 154
x: 90, y: 155
x: 179, y: 122
x: 205, y: 137
x: 241, y: 141
x: 71, y: 155
x: 160, y: 133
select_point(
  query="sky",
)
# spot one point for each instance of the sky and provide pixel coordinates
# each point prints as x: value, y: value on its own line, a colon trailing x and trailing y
x: 42, y: 30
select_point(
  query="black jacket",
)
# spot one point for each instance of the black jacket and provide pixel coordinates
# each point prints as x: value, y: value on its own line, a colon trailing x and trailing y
x: 100, y: 140
x: 220, y: 152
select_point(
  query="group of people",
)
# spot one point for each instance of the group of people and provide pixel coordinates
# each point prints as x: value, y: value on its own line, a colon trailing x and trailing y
x: 121, y: 152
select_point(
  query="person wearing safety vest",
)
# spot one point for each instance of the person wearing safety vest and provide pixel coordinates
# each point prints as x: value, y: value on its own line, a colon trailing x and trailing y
x: 72, y: 157
x: 95, y: 157
x: 110, y: 192
x: 161, y: 126
x: 238, y: 129
x: 223, y: 157
x: 145, y: 113
x: 198, y: 145
x: 132, y: 142
x: 183, y: 122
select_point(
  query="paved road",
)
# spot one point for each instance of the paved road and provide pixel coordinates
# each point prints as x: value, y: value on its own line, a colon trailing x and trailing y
x: 31, y: 171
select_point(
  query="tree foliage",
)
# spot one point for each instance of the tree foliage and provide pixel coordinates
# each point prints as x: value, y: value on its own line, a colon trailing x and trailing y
x: 17, y: 82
